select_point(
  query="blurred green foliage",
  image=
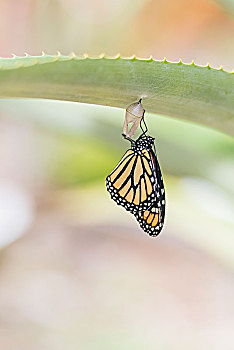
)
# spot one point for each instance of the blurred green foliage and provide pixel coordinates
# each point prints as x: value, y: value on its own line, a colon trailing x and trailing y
x: 78, y: 161
x: 83, y: 143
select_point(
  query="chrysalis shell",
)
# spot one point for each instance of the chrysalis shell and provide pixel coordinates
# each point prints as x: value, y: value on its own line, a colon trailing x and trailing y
x: 134, y: 114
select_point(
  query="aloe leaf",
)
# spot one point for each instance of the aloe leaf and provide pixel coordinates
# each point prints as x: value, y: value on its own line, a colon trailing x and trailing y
x: 199, y: 94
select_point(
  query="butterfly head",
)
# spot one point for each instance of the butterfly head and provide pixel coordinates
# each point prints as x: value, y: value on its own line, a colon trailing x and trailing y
x: 145, y: 142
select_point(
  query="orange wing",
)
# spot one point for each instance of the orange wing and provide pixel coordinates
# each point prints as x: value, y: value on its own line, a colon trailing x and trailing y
x: 133, y: 182
x: 151, y: 220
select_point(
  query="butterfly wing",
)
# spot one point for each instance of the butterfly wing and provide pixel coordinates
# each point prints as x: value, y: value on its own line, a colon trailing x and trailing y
x: 151, y: 220
x: 132, y: 183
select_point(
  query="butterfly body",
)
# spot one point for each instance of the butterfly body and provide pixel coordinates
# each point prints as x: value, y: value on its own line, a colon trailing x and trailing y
x: 136, y: 184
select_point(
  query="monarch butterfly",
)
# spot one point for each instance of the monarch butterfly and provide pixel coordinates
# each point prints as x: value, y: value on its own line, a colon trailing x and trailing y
x: 136, y: 184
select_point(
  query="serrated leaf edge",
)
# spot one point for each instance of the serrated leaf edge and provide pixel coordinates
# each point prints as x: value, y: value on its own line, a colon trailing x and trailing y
x: 19, y: 61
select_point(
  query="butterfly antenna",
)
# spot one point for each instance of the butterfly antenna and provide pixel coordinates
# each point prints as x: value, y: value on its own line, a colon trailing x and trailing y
x: 127, y: 138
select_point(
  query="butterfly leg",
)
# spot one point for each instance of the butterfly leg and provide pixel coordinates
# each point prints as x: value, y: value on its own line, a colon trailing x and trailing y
x: 146, y: 128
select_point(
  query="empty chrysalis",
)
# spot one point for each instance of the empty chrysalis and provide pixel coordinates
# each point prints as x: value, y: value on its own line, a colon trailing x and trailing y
x: 134, y: 114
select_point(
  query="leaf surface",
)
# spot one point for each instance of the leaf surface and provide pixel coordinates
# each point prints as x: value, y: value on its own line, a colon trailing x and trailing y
x: 199, y: 94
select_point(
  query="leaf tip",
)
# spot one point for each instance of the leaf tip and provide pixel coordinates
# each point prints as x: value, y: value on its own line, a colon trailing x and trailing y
x: 102, y: 55
x: 165, y: 60
x: 150, y: 59
x: 117, y: 56
x: 133, y: 58
x: 72, y: 55
x: 208, y: 66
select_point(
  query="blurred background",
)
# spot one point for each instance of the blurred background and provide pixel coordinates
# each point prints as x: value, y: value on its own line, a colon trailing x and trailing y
x: 76, y: 271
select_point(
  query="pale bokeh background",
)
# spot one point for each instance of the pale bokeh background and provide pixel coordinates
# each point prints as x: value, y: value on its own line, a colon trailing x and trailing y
x: 76, y: 271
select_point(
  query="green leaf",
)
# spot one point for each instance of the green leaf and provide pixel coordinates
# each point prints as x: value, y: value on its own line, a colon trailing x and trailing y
x: 199, y: 94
